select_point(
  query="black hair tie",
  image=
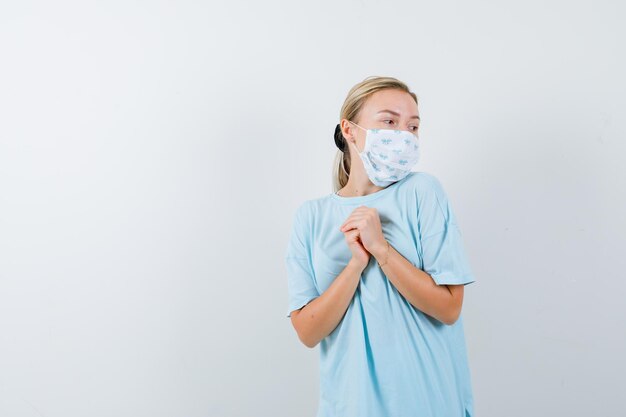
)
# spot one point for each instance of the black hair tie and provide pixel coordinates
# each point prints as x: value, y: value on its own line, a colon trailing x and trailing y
x: 340, y: 141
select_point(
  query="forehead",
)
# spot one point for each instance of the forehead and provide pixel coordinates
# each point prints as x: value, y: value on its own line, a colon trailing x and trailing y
x: 390, y: 99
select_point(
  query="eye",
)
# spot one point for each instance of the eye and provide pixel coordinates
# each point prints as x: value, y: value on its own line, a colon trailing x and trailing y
x: 388, y: 120
x: 415, y: 128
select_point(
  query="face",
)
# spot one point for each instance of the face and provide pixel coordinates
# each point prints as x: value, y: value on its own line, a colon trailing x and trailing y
x: 385, y: 109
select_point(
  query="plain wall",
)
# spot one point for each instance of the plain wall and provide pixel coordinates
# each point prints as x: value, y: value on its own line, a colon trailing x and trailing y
x: 152, y: 155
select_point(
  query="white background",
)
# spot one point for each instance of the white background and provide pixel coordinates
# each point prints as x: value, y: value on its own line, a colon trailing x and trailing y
x: 152, y: 155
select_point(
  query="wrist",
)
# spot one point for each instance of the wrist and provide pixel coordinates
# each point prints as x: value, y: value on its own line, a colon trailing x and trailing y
x: 355, y: 264
x: 380, y: 251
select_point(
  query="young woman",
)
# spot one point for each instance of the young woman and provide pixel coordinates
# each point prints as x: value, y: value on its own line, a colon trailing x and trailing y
x: 376, y: 270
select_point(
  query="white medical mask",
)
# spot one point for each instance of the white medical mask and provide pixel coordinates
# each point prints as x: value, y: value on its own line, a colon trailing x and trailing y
x: 388, y: 155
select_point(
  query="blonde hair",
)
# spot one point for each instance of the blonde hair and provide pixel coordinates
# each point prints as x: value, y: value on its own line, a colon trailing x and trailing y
x: 350, y: 110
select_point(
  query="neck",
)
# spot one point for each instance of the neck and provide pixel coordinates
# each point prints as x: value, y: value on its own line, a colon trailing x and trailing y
x: 358, y: 185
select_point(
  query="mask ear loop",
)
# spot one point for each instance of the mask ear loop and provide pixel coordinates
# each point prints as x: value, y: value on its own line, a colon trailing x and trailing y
x: 354, y: 144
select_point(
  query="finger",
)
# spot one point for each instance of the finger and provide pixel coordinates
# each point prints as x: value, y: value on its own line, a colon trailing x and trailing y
x: 351, y: 225
x: 352, y: 218
x: 352, y: 234
x: 358, y: 211
x: 359, y: 220
x: 362, y: 211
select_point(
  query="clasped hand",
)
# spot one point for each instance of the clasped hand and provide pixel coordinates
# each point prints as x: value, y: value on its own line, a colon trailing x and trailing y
x: 363, y: 230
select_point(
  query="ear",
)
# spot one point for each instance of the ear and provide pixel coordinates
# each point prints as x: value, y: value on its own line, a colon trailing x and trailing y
x: 348, y: 131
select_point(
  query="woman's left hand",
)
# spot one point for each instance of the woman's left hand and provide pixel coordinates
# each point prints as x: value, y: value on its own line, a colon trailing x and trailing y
x: 367, y: 221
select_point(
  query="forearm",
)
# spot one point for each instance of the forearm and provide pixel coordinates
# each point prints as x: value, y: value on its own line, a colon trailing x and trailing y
x: 417, y: 286
x: 321, y: 316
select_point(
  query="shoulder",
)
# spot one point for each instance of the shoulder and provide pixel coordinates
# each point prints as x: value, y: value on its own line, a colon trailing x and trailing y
x: 300, y: 214
x: 429, y: 195
x: 307, y: 209
x: 425, y: 184
x: 320, y: 203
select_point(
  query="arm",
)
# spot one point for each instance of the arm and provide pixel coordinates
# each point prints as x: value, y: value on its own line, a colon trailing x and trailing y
x: 320, y: 317
x: 442, y: 302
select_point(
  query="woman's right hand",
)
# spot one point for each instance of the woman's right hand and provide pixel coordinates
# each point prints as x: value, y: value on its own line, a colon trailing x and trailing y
x: 360, y: 256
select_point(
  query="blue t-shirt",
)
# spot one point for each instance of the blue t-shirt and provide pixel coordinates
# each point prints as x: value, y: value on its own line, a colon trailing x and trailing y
x: 386, y: 357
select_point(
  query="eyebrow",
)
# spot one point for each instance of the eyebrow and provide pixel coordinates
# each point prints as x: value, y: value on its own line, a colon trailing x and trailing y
x: 398, y: 114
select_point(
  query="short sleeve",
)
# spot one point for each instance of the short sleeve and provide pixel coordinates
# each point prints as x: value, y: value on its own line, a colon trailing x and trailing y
x: 300, y: 281
x: 443, y: 252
